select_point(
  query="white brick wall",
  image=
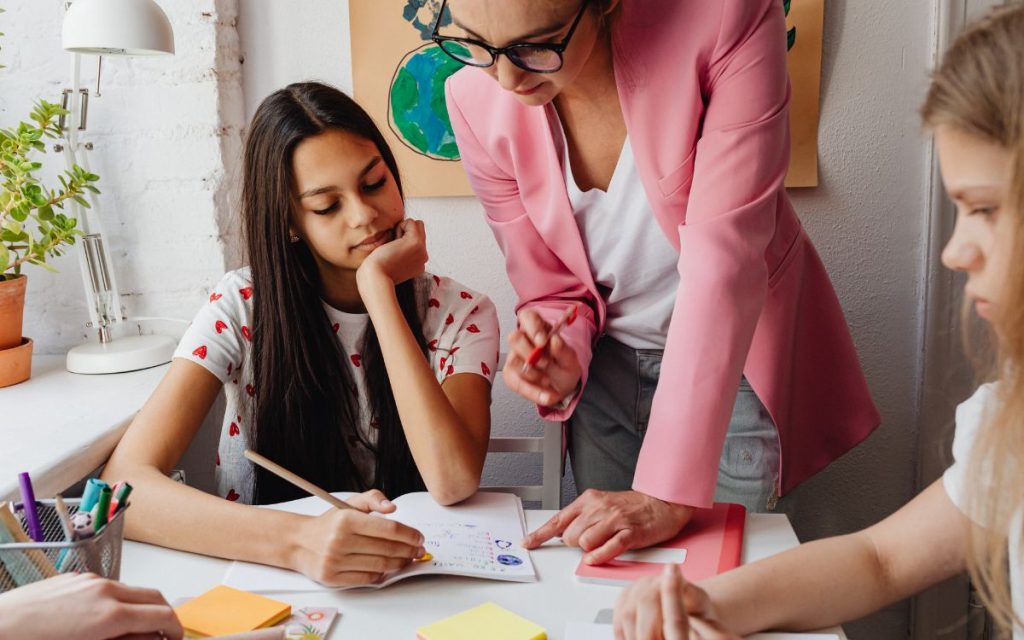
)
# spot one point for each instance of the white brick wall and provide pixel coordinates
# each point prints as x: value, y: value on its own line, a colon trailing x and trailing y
x: 166, y: 132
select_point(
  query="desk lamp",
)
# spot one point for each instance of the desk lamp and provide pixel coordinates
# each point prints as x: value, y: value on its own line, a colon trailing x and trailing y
x: 106, y: 28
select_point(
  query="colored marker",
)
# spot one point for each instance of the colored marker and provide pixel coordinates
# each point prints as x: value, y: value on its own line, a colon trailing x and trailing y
x: 120, y: 499
x: 91, y: 494
x: 566, y: 320
x: 28, y: 498
x: 102, y: 508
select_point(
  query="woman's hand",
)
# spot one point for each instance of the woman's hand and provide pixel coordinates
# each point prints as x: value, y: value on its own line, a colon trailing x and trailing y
x: 554, y: 377
x: 607, y: 523
x: 402, y: 259
x: 667, y: 607
x: 347, y: 547
x: 86, y: 607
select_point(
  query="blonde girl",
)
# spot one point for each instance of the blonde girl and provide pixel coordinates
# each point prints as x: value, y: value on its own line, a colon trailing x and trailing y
x: 972, y: 517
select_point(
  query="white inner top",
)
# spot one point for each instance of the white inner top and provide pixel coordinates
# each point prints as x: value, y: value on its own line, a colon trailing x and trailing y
x: 971, y: 417
x: 631, y: 260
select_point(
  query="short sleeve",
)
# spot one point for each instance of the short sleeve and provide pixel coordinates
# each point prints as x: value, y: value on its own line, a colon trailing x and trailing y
x: 220, y: 332
x: 462, y: 331
x: 970, y: 417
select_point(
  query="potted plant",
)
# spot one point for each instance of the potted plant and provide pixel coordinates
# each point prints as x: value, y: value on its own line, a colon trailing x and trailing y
x: 33, y: 227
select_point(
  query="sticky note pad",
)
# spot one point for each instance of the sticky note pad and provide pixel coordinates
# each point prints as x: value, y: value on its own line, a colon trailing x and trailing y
x: 486, y: 621
x: 223, y: 610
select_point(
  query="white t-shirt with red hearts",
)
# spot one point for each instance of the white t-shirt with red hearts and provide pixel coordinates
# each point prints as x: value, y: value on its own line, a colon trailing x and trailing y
x: 460, y: 327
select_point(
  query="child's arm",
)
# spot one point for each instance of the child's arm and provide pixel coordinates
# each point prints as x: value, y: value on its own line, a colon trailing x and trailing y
x: 830, y: 581
x: 816, y: 585
x: 86, y: 607
x: 338, y: 548
x: 447, y: 426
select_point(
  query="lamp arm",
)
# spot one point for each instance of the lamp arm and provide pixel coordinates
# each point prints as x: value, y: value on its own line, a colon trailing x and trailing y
x: 102, y: 296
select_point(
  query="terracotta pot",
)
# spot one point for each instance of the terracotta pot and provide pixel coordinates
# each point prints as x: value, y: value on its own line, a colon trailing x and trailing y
x: 12, y: 311
x: 16, y: 363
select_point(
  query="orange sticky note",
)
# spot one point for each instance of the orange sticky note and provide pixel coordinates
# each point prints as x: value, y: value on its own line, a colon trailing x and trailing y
x: 486, y: 621
x: 223, y: 610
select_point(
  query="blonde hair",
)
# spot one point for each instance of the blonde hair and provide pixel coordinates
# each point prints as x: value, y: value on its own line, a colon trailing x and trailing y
x: 979, y: 90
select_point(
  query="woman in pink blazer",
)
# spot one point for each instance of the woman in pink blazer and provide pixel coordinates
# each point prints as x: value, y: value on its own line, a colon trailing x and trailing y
x: 630, y: 157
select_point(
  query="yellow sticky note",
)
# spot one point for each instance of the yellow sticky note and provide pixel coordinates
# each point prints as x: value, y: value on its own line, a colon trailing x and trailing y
x: 486, y: 621
x: 223, y: 610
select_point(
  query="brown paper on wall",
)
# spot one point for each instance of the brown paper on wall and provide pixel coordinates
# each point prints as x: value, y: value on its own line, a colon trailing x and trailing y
x: 808, y: 18
x: 383, y: 40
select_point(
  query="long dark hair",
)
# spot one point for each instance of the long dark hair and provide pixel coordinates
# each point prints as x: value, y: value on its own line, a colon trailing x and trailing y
x: 306, y: 412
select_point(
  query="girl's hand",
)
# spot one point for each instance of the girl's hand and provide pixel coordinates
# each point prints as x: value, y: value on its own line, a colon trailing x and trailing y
x: 402, y: 259
x: 346, y: 547
x: 554, y: 376
x: 87, y: 607
x: 667, y: 607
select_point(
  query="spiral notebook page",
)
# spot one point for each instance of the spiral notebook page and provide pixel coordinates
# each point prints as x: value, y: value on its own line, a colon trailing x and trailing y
x: 478, y: 538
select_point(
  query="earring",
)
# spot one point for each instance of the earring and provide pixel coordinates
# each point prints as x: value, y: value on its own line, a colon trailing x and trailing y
x: 293, y: 238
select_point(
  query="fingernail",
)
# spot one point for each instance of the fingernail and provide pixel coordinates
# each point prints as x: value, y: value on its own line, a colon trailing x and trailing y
x: 545, y: 398
x: 539, y: 337
x: 385, y: 503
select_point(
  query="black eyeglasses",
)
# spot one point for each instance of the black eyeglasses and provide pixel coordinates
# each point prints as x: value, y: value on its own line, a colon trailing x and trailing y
x: 536, y: 57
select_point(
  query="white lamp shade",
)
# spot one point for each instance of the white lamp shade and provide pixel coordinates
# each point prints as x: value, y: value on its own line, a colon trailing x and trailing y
x: 117, y: 27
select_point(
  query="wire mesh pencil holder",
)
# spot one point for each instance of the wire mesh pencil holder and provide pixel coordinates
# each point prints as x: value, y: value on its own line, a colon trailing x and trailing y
x: 22, y: 563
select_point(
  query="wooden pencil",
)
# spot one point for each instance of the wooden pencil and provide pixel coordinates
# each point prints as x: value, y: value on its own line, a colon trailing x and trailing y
x: 295, y: 479
x: 36, y: 556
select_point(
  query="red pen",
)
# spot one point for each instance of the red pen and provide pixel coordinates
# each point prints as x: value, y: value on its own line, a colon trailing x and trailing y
x: 566, y: 320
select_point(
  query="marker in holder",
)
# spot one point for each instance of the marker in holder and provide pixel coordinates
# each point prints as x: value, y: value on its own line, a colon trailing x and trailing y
x: 99, y: 554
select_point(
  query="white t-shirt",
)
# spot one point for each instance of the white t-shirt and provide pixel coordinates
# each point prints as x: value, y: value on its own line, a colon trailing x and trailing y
x: 460, y: 327
x: 971, y: 415
x: 633, y: 264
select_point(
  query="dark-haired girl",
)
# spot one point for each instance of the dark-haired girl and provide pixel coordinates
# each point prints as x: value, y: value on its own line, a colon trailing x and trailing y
x: 340, y: 359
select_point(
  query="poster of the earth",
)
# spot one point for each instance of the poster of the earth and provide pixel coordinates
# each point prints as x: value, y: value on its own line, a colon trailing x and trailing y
x: 399, y: 77
x: 399, y: 74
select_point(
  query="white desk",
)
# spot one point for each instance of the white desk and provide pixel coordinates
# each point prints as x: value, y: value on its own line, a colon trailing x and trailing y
x: 396, y: 611
x: 59, y: 426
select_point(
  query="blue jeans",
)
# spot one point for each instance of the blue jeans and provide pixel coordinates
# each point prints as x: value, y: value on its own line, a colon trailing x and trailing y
x: 610, y: 421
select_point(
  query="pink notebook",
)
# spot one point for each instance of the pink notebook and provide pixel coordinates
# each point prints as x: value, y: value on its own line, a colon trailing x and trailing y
x: 706, y: 547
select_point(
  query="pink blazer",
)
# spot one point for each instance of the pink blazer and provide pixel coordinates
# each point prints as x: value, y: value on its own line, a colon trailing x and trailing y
x: 704, y: 90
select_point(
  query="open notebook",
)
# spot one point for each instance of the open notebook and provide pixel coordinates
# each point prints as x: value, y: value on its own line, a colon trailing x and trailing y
x: 478, y: 537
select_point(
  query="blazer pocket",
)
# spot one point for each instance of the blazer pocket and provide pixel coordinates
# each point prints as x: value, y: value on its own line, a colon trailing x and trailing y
x: 679, y: 179
x: 795, y: 250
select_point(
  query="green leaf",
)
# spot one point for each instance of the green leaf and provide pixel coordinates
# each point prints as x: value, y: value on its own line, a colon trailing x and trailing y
x: 41, y: 262
x: 5, y: 258
x: 46, y: 212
